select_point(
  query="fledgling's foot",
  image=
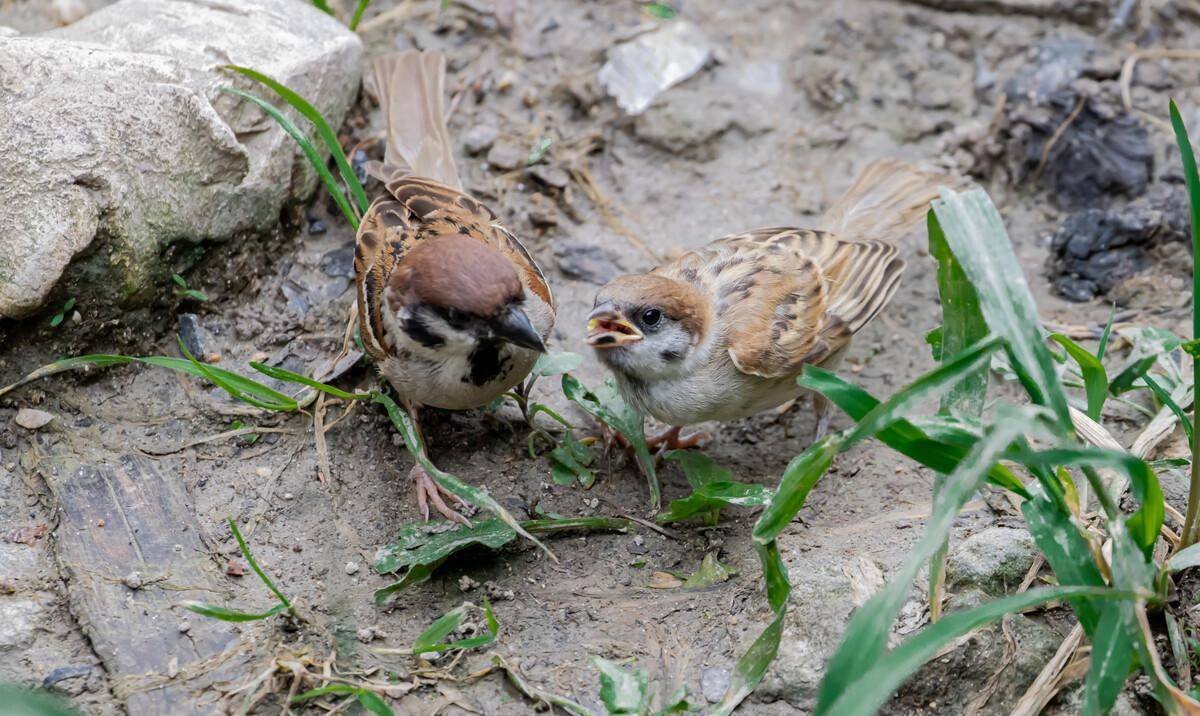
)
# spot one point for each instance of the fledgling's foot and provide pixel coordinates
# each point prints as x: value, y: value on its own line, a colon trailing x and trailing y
x: 428, y: 491
x: 670, y: 439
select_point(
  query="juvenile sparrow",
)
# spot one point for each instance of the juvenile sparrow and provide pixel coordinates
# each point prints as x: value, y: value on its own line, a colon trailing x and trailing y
x: 451, y: 306
x: 722, y: 332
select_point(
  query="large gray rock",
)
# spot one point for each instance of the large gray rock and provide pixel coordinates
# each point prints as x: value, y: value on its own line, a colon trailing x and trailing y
x: 823, y: 597
x: 119, y: 143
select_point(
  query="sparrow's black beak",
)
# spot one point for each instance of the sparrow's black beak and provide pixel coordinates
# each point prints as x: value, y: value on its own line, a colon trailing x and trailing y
x: 513, y: 325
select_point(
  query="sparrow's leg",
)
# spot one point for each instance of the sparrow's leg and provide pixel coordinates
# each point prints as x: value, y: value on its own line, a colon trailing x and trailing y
x: 669, y: 439
x: 821, y: 406
x: 429, y: 491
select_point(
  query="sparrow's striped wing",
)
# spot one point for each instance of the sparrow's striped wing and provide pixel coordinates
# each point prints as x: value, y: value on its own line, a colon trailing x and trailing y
x: 412, y: 210
x: 788, y: 297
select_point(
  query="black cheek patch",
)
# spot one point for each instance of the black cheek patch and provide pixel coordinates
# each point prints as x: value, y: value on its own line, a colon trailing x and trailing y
x: 419, y: 332
x: 670, y: 356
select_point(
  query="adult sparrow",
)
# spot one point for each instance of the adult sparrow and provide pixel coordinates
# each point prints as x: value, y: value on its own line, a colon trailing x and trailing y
x: 451, y: 306
x: 722, y: 332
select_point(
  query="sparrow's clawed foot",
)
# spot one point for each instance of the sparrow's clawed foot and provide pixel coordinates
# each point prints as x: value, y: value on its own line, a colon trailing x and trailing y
x: 429, y: 491
x: 670, y: 439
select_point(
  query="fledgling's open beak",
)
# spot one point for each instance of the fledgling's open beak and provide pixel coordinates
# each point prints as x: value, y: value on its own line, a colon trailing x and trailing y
x: 513, y: 325
x: 608, y: 328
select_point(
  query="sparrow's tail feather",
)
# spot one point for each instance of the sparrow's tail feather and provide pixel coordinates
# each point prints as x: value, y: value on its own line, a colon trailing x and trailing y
x: 888, y: 199
x: 410, y: 86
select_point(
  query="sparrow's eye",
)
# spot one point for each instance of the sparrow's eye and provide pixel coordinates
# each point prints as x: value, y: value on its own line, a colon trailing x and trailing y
x: 651, y: 317
x: 456, y: 318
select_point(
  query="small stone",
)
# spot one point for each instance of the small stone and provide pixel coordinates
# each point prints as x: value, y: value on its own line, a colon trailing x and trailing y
x: 506, y: 80
x: 496, y: 594
x: 664, y: 580
x: 506, y: 155
x: 69, y: 680
x: 235, y: 568
x: 297, y: 548
x: 586, y: 262
x: 542, y: 211
x: 316, y: 227
x: 480, y: 138
x: 66, y: 12
x: 352, y: 567
x: 713, y: 683
x: 263, y: 472
x: 192, y: 335
x: 551, y: 175
x: 995, y: 560
x: 184, y: 626
x: 19, y: 621
x: 32, y: 419
x: 466, y: 584
x: 133, y: 580
x: 369, y: 634
x: 288, y: 496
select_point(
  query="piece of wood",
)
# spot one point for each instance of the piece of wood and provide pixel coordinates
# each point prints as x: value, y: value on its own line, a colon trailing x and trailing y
x: 124, y: 518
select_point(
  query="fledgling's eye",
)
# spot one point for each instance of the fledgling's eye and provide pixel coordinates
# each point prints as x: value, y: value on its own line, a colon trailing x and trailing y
x: 651, y: 317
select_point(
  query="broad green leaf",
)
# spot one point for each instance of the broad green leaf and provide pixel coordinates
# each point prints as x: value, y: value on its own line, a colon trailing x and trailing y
x: 25, y: 701
x: 865, y: 639
x: 962, y: 324
x: 555, y: 363
x: 1185, y: 559
x: 306, y: 146
x: 328, y: 136
x: 875, y: 685
x: 430, y: 640
x: 711, y: 572
x: 714, y: 496
x: 940, y: 379
x: 290, y: 377
x: 226, y: 614
x: 1095, y: 379
x: 1112, y: 657
x: 621, y: 691
x: 421, y: 551
x: 975, y: 234
x: 752, y: 666
x: 570, y: 462
x: 607, y: 406
x: 698, y: 468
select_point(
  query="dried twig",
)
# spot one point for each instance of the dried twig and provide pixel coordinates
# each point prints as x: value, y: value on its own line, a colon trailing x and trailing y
x: 1057, y: 135
x: 1126, y: 79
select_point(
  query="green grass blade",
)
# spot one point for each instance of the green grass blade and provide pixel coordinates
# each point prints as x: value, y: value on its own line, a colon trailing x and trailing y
x: 237, y: 535
x: 1095, y: 379
x: 323, y: 6
x: 935, y: 381
x: 358, y: 13
x: 608, y: 407
x: 800, y: 476
x: 1106, y: 334
x: 96, y: 360
x: 975, y: 234
x: 290, y: 377
x: 430, y: 639
x: 866, y: 636
x: 1124, y: 381
x: 374, y: 704
x: 473, y: 495
x: 238, y: 386
x: 230, y: 615
x: 1067, y: 552
x: 874, y: 686
x: 714, y: 496
x: 752, y: 666
x: 1112, y: 657
x: 1165, y: 398
x: 328, y: 136
x: 962, y: 323
x: 903, y: 436
x: 309, y: 151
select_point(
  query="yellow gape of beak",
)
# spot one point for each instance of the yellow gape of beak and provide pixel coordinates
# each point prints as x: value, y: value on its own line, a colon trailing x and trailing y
x: 609, y: 329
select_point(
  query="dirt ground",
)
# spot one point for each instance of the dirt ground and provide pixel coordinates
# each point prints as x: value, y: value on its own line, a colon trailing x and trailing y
x: 800, y: 95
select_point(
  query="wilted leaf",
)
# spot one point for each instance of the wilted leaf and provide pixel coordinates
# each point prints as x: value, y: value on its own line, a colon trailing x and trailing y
x: 621, y: 691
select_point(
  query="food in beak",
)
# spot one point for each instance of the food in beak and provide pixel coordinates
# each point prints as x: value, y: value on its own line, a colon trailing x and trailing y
x: 610, y: 331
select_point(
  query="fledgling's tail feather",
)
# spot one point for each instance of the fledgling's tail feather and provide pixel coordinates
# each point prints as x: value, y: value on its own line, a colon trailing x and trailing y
x: 411, y: 86
x: 889, y: 198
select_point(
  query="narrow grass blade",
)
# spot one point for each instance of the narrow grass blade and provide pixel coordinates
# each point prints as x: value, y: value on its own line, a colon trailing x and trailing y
x: 903, y: 436
x: 238, y: 386
x: 430, y: 640
x: 935, y: 381
x: 318, y: 164
x: 1106, y: 334
x: 237, y: 535
x: 328, y: 136
x: 374, y: 704
x: 798, y: 479
x: 473, y: 495
x: 962, y: 324
x: 1165, y: 398
x: 1185, y: 559
x: 323, y: 6
x: 1067, y: 552
x: 1112, y: 657
x: 874, y: 686
x: 865, y: 639
x: 290, y: 377
x: 752, y: 666
x: 230, y: 615
x: 975, y: 234
x: 1095, y: 379
x: 1124, y: 380
x: 358, y: 13
x: 97, y: 360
